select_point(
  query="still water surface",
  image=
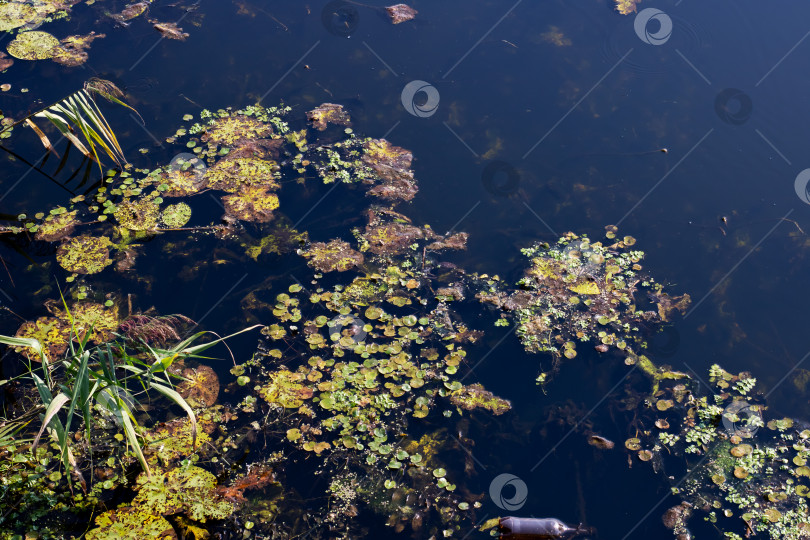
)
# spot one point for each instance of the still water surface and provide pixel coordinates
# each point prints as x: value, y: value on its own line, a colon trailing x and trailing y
x: 578, y: 107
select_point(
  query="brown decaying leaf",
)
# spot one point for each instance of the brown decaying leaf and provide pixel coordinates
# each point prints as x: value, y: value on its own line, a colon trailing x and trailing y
x: 400, y: 13
x: 626, y: 7
x: 328, y: 112
x: 170, y: 30
x: 5, y: 62
x: 42, y: 137
x: 72, y: 50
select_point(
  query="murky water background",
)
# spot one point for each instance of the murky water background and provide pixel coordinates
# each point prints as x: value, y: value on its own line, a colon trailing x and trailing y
x: 572, y: 100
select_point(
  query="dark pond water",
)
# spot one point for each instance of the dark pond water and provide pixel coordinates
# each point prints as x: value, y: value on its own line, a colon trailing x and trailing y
x: 568, y: 99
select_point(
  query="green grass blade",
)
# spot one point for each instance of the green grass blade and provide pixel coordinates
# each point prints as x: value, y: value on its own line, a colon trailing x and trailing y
x: 132, y: 437
x: 177, y: 398
x: 53, y: 409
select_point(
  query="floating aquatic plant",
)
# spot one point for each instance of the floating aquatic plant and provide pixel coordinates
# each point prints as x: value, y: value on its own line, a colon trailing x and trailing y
x: 33, y: 45
x: 229, y: 130
x: 232, y: 175
x: 335, y: 255
x: 176, y: 215
x: 57, y: 225
x: 251, y: 203
x: 85, y: 254
x: 738, y: 466
x: 583, y: 291
x: 137, y: 215
x: 170, y: 30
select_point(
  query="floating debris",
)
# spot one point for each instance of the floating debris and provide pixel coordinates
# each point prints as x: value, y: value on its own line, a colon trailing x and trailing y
x: 328, y: 113
x: 130, y: 12
x: 603, y: 443
x: 401, y: 13
x: 626, y: 7
x: 170, y: 30
x: 73, y: 49
x: 5, y: 63
x: 540, y: 528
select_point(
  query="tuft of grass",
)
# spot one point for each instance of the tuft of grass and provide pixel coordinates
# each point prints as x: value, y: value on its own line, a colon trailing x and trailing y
x: 105, y: 375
